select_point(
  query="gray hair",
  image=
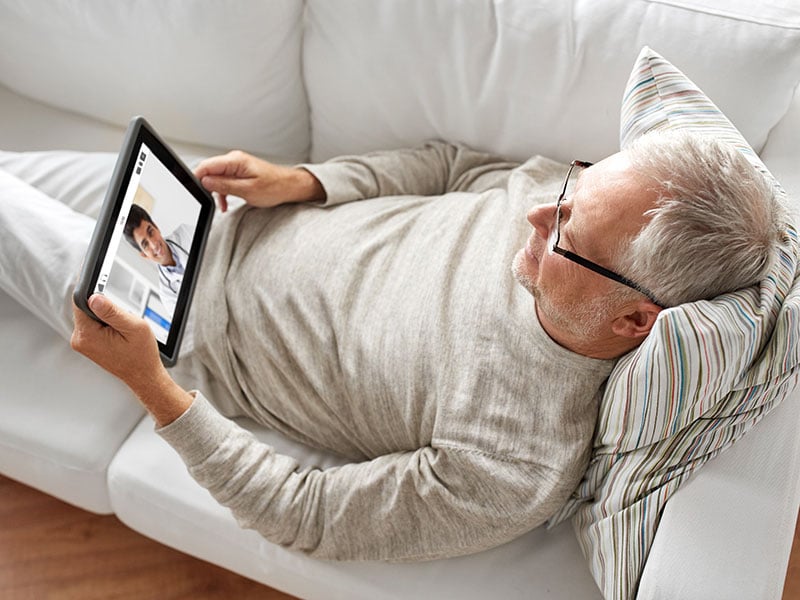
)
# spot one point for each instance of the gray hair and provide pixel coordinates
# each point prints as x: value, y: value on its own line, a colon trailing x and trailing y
x: 716, y: 221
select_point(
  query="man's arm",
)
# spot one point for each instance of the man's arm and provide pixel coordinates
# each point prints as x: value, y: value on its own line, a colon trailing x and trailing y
x: 432, y: 169
x: 434, y: 502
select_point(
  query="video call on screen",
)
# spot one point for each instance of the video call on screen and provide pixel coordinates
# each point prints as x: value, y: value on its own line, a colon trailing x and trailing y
x: 149, y: 248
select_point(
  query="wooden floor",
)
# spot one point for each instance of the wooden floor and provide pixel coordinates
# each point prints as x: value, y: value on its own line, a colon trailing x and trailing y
x: 50, y: 550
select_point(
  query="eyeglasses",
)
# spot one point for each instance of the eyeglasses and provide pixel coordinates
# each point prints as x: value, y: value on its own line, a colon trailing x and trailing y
x: 555, y: 237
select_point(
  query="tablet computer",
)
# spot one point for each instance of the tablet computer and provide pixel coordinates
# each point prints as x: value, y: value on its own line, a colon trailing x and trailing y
x: 148, y: 243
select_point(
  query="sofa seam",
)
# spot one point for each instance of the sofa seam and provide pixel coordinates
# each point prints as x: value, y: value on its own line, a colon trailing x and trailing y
x: 682, y: 5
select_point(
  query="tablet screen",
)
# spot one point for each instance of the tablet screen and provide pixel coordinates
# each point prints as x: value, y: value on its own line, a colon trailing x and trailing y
x: 149, y: 249
x: 149, y: 240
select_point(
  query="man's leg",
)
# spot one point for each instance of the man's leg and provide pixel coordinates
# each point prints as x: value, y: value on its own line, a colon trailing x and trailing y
x: 77, y: 179
x: 37, y: 191
x: 42, y: 245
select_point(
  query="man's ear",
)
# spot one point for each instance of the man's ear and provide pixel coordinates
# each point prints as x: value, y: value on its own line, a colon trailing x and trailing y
x: 637, y: 319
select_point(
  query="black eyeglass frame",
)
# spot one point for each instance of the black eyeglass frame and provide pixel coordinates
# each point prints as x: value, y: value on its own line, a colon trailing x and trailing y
x: 553, y: 246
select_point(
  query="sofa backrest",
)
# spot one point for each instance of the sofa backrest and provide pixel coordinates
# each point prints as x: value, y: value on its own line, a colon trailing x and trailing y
x: 533, y: 76
x: 285, y: 78
x: 224, y: 73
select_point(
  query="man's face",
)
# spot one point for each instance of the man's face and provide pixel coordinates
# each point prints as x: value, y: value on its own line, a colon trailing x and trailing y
x: 152, y: 244
x: 606, y: 207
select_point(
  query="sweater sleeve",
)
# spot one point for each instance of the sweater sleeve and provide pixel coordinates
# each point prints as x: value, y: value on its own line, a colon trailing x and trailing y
x: 433, y: 502
x: 430, y: 170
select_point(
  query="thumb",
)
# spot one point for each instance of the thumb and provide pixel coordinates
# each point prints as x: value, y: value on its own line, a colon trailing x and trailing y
x: 110, y: 313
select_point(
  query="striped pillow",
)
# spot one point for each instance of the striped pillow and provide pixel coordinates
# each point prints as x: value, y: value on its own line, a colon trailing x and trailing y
x: 706, y: 374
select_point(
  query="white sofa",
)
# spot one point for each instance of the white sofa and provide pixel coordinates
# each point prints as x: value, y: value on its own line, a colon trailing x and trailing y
x: 295, y: 81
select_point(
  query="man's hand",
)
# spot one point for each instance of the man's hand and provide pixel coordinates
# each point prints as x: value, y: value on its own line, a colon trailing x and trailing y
x: 127, y: 348
x: 259, y: 182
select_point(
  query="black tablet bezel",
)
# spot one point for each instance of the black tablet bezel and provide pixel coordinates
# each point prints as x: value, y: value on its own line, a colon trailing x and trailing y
x: 141, y: 132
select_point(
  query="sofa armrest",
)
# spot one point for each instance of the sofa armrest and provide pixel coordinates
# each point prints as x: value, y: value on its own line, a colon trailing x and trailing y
x: 782, y: 152
x: 728, y: 532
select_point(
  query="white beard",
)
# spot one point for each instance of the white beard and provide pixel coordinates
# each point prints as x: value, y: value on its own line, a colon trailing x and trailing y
x: 522, y: 278
x: 582, y: 319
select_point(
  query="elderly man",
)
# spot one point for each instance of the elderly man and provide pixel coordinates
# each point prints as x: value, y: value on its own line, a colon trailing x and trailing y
x: 391, y: 331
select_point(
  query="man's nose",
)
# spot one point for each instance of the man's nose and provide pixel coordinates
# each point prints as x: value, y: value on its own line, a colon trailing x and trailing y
x: 542, y: 217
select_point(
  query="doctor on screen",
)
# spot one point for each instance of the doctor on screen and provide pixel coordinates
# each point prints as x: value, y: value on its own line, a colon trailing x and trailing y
x: 170, y: 253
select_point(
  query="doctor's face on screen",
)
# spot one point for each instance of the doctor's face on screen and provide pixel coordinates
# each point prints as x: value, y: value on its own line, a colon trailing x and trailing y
x: 152, y: 245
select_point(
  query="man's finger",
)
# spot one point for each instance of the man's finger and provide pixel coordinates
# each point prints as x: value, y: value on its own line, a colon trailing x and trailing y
x: 216, y: 165
x: 232, y: 164
x: 226, y: 185
x: 109, y: 313
x: 222, y: 201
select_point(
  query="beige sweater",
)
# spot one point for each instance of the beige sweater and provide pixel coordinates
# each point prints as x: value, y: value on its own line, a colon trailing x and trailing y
x: 390, y: 331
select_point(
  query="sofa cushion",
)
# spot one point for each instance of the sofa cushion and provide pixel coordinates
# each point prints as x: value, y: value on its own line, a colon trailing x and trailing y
x: 539, y: 77
x: 63, y: 417
x: 706, y: 374
x: 224, y: 74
